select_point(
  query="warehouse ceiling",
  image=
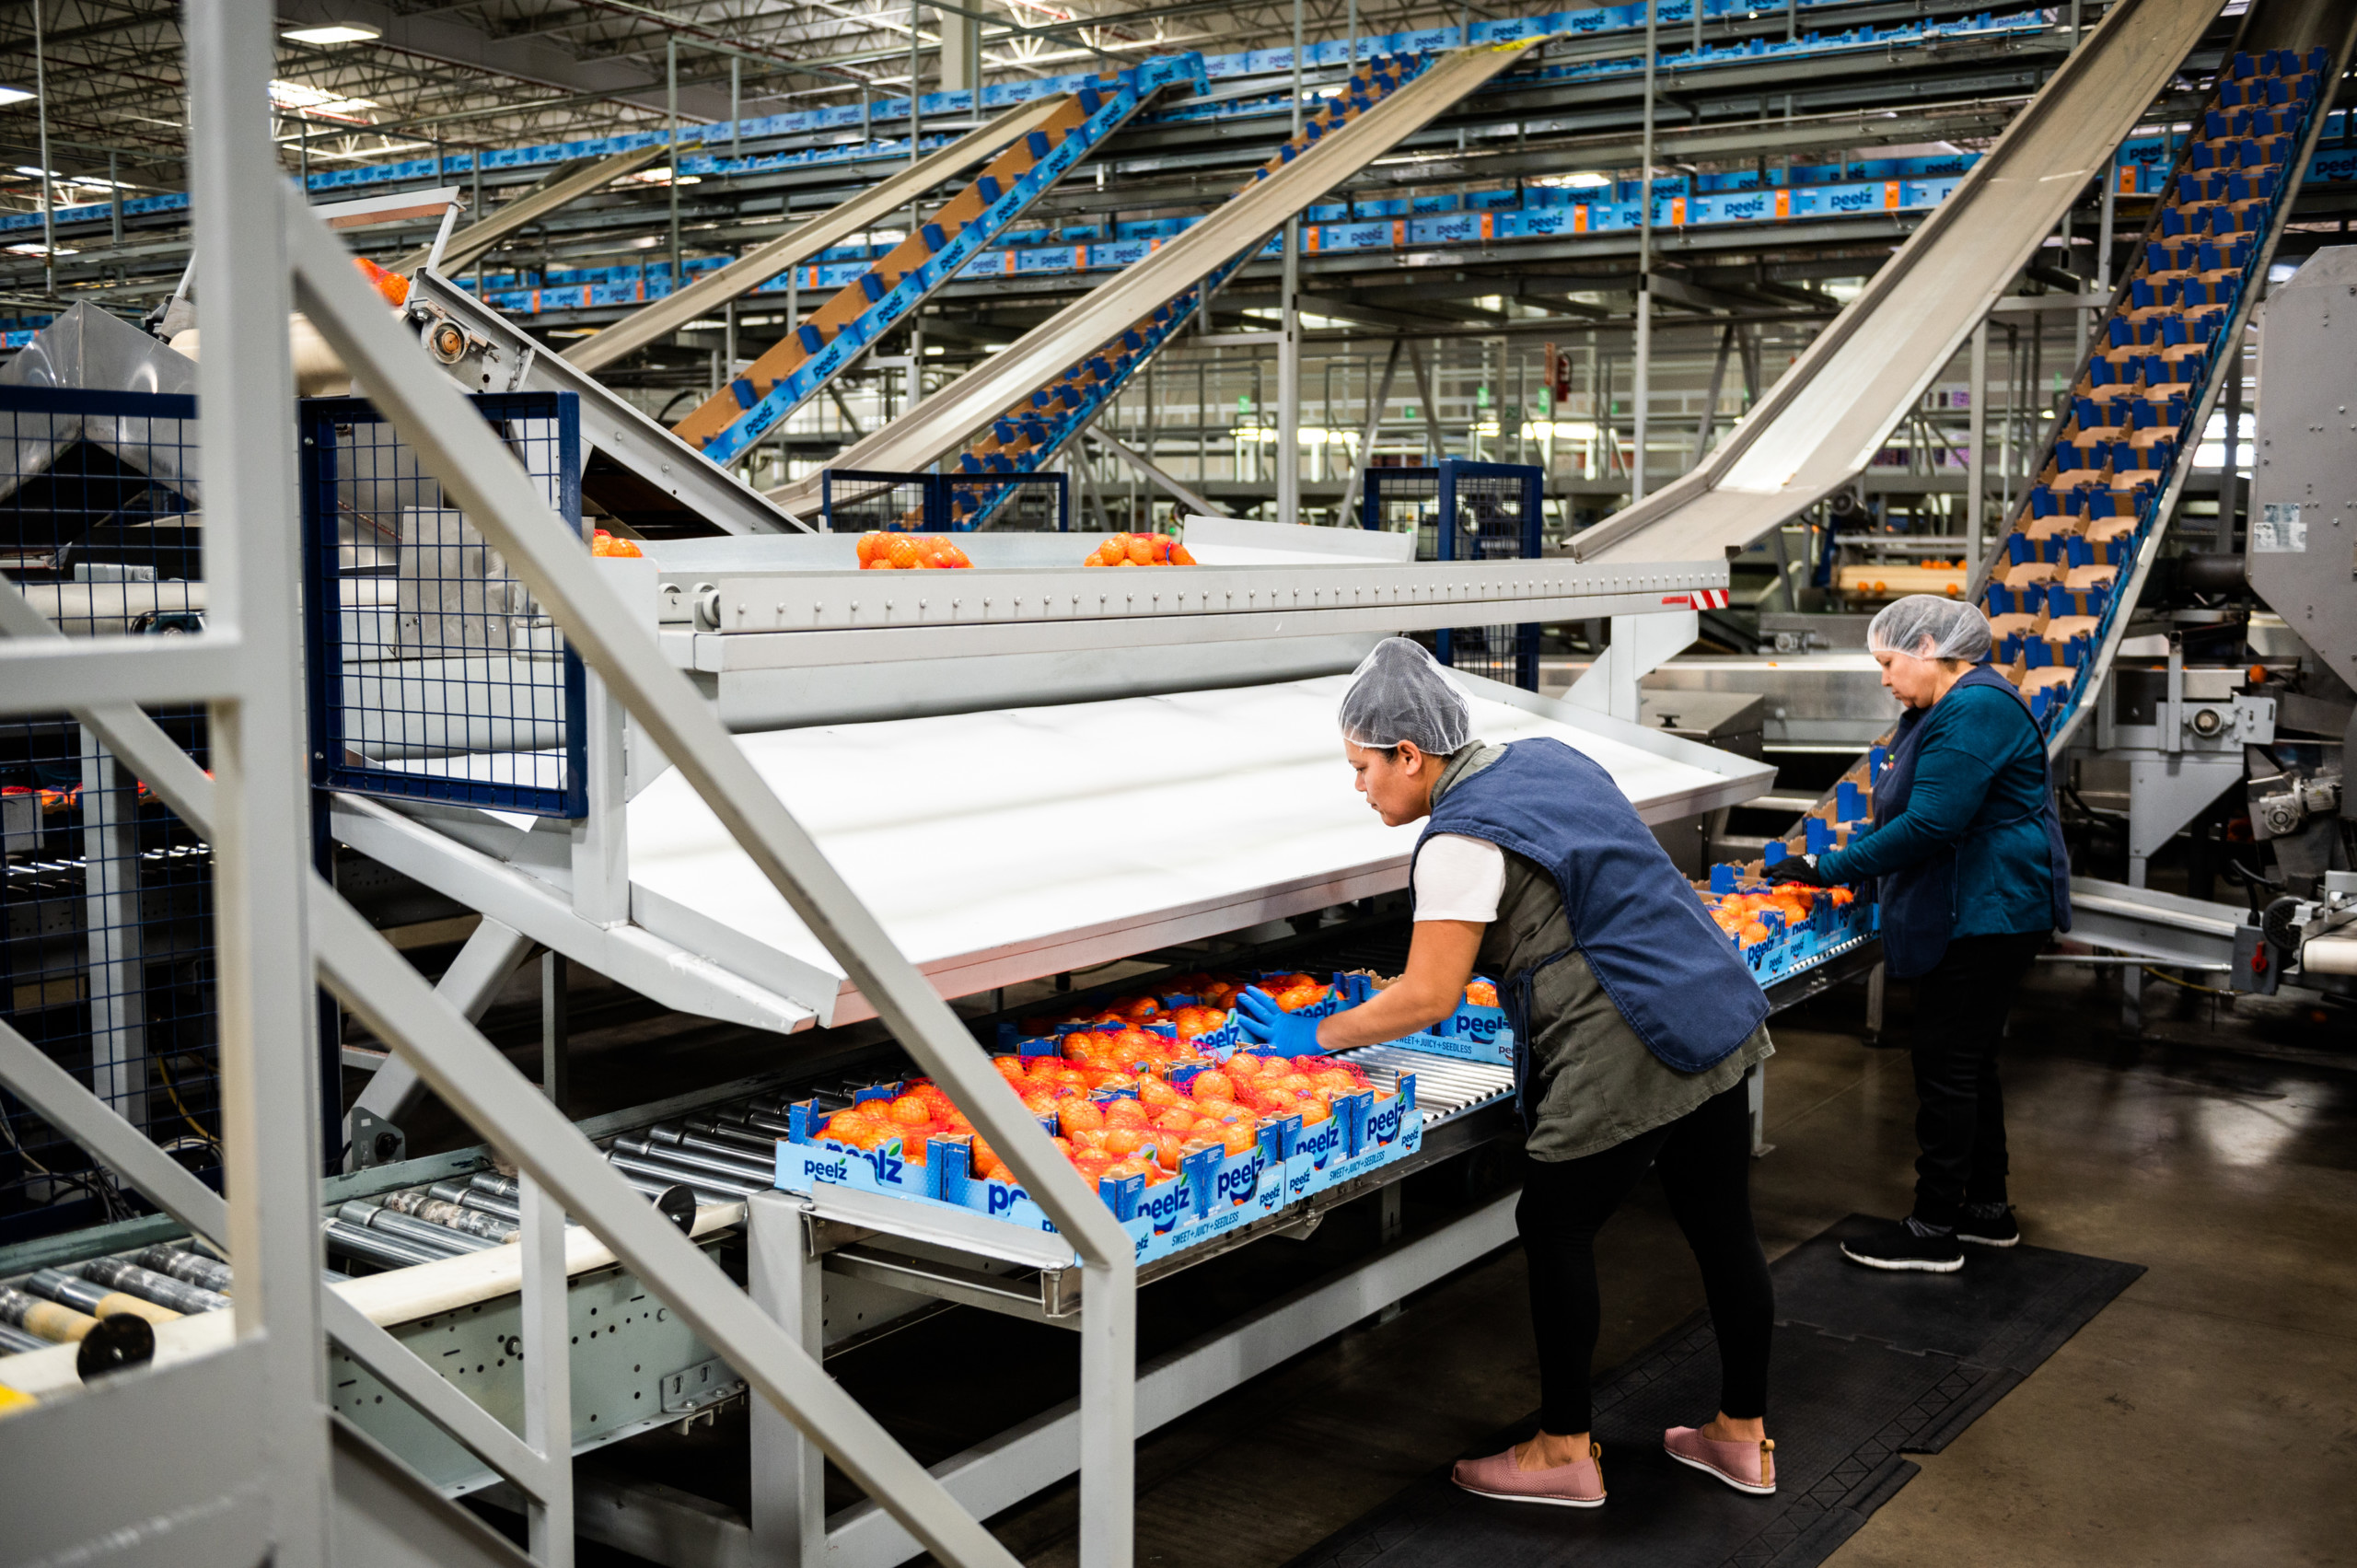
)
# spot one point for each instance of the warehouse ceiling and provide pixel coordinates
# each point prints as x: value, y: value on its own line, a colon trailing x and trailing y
x: 499, y: 72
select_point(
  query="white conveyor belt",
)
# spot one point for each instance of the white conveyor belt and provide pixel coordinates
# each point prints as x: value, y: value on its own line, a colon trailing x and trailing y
x: 1004, y: 845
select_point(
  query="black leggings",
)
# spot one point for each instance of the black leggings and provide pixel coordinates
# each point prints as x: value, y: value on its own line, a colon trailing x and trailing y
x: 1705, y: 1163
x: 1960, y: 1010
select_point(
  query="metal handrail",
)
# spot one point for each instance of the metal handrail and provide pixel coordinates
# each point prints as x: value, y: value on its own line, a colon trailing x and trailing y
x: 501, y: 501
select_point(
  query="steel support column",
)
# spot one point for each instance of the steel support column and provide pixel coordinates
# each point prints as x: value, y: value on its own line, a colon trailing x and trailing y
x: 1289, y: 332
x: 1641, y: 395
x: 269, y: 1017
x: 789, y: 1495
x: 1976, y: 466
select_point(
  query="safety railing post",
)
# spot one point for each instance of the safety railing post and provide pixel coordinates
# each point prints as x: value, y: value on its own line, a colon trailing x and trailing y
x: 270, y: 1066
x: 548, y: 1374
x: 1109, y: 1321
x: 789, y: 1493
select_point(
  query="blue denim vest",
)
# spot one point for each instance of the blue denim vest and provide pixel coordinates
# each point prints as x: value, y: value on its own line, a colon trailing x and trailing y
x: 1663, y: 962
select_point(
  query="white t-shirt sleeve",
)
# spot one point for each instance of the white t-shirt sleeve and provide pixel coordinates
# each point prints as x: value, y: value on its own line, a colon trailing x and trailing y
x: 1459, y: 878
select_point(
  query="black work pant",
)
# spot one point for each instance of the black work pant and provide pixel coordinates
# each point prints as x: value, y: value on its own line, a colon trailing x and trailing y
x: 1705, y: 1163
x: 1960, y: 1008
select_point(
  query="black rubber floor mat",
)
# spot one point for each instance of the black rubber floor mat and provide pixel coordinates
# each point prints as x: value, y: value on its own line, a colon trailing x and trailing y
x: 2007, y: 1306
x: 1847, y: 1398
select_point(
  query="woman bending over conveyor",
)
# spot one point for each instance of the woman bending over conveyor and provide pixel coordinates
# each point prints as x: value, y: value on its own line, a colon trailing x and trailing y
x: 1633, y: 1025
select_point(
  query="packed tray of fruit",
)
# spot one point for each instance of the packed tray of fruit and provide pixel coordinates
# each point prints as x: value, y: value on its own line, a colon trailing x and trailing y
x: 1477, y: 1032
x: 1185, y: 1130
x: 1782, y: 928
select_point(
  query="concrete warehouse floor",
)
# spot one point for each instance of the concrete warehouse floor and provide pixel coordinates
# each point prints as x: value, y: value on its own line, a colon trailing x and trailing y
x: 2207, y: 1416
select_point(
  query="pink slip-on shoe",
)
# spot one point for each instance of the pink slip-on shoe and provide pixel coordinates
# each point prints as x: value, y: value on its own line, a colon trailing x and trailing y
x: 1576, y: 1485
x: 1746, y: 1466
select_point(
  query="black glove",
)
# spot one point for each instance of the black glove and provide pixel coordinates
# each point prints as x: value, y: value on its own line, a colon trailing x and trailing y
x: 1800, y: 868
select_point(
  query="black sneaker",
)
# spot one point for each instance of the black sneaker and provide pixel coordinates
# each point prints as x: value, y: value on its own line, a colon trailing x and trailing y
x: 1909, y: 1245
x: 1999, y: 1229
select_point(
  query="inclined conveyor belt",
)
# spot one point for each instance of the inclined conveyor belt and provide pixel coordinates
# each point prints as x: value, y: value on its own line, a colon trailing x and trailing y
x: 1057, y: 374
x: 1077, y: 832
x: 810, y: 239
x: 826, y: 342
x: 1826, y: 418
x: 2065, y: 572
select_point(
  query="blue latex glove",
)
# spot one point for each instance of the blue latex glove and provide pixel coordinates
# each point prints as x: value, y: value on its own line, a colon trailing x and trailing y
x: 1273, y: 1028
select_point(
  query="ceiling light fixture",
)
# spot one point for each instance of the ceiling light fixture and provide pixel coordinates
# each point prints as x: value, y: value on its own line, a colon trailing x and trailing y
x: 335, y: 32
x: 13, y: 95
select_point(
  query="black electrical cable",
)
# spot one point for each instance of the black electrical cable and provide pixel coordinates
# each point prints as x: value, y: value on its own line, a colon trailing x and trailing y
x: 2247, y: 879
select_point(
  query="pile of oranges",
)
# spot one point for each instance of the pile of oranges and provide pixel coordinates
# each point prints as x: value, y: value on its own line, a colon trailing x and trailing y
x: 1129, y: 1050
x: 1150, y: 1134
x: 1109, y: 1092
x: 1140, y: 549
x: 1117, y: 1031
x: 1295, y: 992
x: 603, y: 543
x: 880, y: 551
x: 919, y: 1112
x: 1738, y: 915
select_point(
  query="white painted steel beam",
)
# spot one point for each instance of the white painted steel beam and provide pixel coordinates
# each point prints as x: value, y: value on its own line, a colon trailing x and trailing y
x: 548, y: 1375
x: 43, y: 676
x: 266, y: 997
x: 1824, y: 420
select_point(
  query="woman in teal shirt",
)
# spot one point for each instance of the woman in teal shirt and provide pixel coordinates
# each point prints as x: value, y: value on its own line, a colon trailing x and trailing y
x: 1973, y: 880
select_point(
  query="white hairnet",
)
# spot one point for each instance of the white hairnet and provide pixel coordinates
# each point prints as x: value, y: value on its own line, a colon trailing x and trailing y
x: 1400, y: 692
x: 1930, y: 627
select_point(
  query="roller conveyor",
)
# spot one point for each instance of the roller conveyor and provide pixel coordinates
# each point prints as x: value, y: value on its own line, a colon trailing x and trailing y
x: 1446, y: 1088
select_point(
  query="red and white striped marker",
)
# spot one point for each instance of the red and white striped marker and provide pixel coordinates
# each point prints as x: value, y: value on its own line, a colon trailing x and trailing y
x: 1700, y: 599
